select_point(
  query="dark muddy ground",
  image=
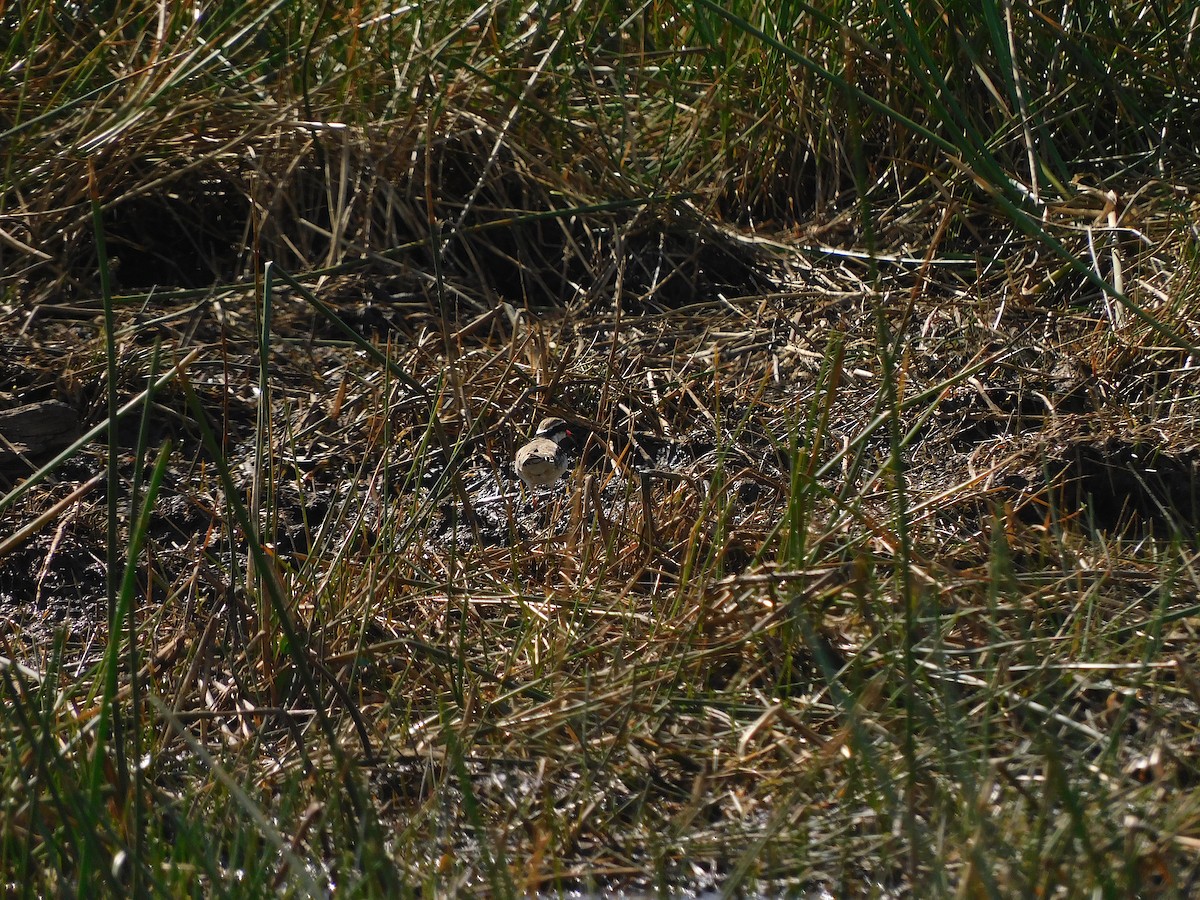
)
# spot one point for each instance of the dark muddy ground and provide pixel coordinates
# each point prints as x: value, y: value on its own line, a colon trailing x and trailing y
x: 705, y: 422
x: 1010, y: 406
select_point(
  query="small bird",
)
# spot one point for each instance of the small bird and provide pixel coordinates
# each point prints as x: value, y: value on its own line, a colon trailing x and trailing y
x: 543, y: 460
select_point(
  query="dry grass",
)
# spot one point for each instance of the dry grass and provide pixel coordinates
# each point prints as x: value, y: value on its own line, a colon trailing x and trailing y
x: 877, y: 569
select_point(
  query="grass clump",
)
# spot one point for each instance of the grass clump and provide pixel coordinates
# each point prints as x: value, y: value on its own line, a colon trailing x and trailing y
x: 875, y: 326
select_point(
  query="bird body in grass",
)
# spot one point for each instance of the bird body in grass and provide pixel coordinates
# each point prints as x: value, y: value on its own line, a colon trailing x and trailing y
x: 542, y: 461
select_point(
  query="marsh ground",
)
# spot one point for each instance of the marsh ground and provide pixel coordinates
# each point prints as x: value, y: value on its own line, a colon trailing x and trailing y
x: 876, y: 572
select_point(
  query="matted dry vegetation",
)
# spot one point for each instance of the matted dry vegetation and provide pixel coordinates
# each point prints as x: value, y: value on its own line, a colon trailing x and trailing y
x: 876, y: 572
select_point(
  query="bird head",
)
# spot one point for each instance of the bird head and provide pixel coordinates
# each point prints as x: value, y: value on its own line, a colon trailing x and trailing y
x: 554, y: 429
